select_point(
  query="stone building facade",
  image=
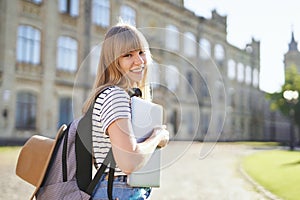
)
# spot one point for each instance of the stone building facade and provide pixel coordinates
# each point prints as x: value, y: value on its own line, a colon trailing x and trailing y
x: 50, y: 49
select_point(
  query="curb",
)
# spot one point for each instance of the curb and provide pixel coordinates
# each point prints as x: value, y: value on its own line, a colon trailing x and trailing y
x: 260, y: 188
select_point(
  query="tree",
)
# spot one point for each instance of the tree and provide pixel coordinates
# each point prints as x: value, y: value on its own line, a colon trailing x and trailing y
x: 288, y: 108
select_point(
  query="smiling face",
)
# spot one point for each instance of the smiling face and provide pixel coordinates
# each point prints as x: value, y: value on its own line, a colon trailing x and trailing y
x: 124, y: 57
x: 133, y: 65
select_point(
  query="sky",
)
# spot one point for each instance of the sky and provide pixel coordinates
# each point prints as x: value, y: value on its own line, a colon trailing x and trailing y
x: 268, y: 21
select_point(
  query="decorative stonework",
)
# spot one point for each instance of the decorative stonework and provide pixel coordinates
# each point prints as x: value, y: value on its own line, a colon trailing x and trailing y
x: 29, y: 69
x: 31, y: 8
x: 68, y: 20
x: 65, y: 77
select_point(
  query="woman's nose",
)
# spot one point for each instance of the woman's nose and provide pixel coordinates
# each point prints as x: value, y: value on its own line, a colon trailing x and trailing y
x: 138, y: 60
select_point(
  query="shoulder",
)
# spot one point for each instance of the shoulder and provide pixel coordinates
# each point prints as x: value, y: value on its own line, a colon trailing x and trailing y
x: 112, y: 92
x: 115, y: 90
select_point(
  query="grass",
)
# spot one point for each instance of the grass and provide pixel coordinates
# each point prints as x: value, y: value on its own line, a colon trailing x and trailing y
x: 8, y: 148
x: 278, y: 171
x: 258, y: 144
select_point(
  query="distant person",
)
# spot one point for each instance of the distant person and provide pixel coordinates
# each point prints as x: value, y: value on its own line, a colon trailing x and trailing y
x: 123, y: 66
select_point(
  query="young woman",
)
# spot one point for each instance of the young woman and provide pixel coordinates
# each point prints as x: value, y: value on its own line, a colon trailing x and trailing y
x: 123, y: 66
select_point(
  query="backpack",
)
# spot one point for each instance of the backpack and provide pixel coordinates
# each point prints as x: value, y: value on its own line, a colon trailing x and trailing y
x: 66, y: 171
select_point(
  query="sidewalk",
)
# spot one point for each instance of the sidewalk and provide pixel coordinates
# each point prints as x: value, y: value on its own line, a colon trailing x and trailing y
x: 11, y: 186
x: 216, y: 177
x: 184, y: 177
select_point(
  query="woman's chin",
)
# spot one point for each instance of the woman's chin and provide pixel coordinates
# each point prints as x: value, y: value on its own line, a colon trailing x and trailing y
x: 136, y: 77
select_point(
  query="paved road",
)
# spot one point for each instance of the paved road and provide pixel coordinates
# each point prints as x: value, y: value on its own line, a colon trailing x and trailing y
x: 184, y: 176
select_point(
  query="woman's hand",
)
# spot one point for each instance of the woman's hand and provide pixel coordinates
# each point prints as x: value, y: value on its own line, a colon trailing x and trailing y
x: 163, y: 134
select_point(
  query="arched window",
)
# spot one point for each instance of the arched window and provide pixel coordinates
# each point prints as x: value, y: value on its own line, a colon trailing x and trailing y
x: 219, y: 52
x: 67, y: 54
x: 255, y: 80
x: 28, y: 45
x: 231, y: 94
x: 26, y: 111
x: 128, y: 14
x: 205, y: 119
x: 172, y: 77
x: 248, y: 75
x: 190, y: 82
x: 204, y: 87
x: 205, y: 49
x: 240, y: 72
x: 190, y: 123
x: 172, y: 38
x: 65, y: 111
x: 189, y: 44
x: 101, y: 12
x: 231, y: 71
x: 154, y: 75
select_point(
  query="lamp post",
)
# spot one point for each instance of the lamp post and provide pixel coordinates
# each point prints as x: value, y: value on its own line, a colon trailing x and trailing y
x: 291, y: 96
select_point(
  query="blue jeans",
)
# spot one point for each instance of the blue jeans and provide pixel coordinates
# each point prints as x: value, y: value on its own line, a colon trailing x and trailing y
x: 121, y: 190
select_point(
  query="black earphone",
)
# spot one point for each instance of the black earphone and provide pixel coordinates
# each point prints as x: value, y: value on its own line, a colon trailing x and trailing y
x: 135, y: 92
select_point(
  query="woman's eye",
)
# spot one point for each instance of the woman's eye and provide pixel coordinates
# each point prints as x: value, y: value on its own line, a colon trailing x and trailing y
x: 142, y: 52
x: 127, y: 55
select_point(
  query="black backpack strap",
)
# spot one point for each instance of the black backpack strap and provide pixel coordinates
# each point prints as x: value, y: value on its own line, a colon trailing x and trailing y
x: 59, y: 140
x: 109, y: 159
x: 64, y: 156
x: 111, y: 176
x: 84, y: 152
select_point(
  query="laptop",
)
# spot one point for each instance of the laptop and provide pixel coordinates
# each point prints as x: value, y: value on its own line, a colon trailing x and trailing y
x: 145, y: 116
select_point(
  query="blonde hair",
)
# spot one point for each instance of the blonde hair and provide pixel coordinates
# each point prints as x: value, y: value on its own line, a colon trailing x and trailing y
x: 119, y: 39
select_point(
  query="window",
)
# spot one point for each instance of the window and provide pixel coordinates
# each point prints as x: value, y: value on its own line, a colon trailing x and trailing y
x: 28, y: 45
x: 172, y: 38
x: 240, y: 72
x: 190, y: 82
x: 255, y: 78
x: 36, y: 1
x: 204, y: 89
x: 231, y: 101
x: 65, y: 111
x: 101, y: 12
x: 128, y: 14
x: 190, y: 123
x: 70, y: 7
x: 205, y: 49
x: 219, y: 52
x: 205, y: 123
x: 26, y: 111
x: 172, y: 77
x: 189, y: 44
x: 231, y: 69
x: 248, y: 75
x: 154, y: 75
x: 67, y: 54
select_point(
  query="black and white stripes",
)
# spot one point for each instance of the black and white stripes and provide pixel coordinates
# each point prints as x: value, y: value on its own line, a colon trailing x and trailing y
x: 113, y: 103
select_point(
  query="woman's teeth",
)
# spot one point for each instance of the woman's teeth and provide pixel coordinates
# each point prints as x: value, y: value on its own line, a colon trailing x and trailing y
x: 137, y: 70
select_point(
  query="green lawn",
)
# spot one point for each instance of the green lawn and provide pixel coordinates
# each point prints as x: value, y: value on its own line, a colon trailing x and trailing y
x: 278, y: 171
x: 8, y: 148
x: 258, y: 144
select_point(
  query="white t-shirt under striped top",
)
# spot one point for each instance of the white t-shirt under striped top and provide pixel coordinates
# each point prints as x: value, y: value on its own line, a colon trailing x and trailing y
x: 112, y: 103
